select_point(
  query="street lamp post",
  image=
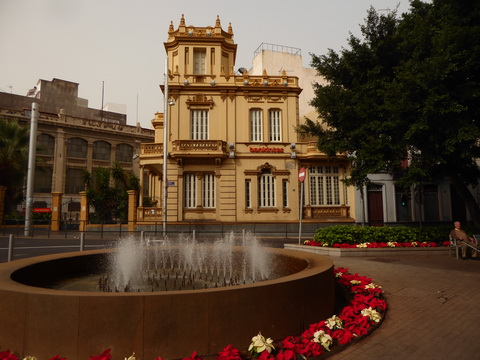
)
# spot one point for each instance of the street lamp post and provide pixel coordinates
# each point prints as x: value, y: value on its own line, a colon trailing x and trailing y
x: 32, y: 153
x: 165, y: 150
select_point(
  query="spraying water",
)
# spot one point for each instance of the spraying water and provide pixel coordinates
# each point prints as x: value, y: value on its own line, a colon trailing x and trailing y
x: 181, y: 264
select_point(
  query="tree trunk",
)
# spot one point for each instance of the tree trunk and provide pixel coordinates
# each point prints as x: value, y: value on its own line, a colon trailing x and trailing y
x: 467, y: 197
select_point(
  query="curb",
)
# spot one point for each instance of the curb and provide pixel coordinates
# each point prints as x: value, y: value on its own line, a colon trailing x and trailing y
x: 364, y: 252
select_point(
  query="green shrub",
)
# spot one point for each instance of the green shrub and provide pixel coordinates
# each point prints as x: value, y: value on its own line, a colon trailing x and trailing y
x: 353, y: 234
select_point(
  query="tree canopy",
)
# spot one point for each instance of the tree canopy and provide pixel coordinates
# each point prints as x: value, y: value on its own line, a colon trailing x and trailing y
x: 14, y: 143
x: 409, y: 89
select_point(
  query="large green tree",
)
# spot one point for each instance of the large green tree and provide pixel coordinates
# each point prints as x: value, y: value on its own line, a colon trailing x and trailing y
x: 107, y: 192
x: 409, y: 88
x: 14, y: 142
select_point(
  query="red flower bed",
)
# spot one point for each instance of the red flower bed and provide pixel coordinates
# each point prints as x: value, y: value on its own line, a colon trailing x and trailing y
x: 379, y: 244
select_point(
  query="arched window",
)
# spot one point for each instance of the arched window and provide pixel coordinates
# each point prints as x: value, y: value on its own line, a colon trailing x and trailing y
x: 101, y: 150
x: 124, y: 153
x: 45, y: 144
x: 77, y: 147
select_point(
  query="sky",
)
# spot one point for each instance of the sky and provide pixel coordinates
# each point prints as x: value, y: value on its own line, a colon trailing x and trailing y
x: 119, y: 43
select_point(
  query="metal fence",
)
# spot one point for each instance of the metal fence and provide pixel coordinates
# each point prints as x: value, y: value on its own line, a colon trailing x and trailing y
x: 41, y: 240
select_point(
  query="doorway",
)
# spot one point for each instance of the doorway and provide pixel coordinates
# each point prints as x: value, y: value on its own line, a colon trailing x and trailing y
x: 375, y: 205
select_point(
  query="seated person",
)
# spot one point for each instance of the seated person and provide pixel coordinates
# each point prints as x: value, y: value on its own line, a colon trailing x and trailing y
x: 460, y: 234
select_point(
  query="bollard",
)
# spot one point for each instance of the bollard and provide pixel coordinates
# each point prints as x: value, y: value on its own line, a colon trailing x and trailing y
x: 82, y: 241
x: 243, y: 237
x: 10, y: 247
x: 193, y: 235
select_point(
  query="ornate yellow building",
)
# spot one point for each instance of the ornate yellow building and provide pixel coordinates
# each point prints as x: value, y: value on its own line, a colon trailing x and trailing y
x: 233, y: 153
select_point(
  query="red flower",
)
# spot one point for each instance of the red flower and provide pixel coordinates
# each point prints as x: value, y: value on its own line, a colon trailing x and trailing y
x: 194, y: 356
x: 57, y: 357
x: 103, y: 356
x: 265, y: 355
x: 229, y: 353
x: 342, y: 336
x: 7, y: 355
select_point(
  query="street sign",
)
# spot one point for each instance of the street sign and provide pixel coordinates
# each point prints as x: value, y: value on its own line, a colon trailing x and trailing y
x: 42, y: 210
x: 301, y: 174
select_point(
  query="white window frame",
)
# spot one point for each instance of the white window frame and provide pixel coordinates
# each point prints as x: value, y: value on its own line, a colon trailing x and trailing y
x: 256, y: 125
x: 208, y: 191
x: 199, y: 124
x: 266, y: 191
x: 324, y: 183
x: 200, y: 61
x: 190, y: 190
x: 275, y: 125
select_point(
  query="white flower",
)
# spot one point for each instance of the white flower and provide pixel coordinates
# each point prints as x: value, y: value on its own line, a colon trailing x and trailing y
x: 324, y: 339
x: 259, y: 344
x: 391, y: 244
x: 334, y: 323
x: 30, y: 358
x: 372, y: 286
x: 132, y: 357
x: 355, y: 282
x: 362, y: 245
x: 414, y: 243
x: 339, y: 274
x: 372, y: 314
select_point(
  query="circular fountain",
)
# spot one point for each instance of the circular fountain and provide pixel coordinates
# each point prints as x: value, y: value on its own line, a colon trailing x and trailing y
x: 166, y: 299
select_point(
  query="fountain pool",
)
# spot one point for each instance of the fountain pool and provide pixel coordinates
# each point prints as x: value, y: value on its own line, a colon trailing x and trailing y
x: 40, y: 319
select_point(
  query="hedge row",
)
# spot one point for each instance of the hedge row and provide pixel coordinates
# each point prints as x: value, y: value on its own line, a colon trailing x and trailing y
x: 352, y: 234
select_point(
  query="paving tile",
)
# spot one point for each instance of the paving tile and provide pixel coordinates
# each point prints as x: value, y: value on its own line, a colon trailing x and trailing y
x: 433, y: 308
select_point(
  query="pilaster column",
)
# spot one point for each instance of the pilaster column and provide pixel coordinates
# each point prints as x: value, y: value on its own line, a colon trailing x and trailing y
x: 199, y: 187
x: 140, y: 200
x: 83, y: 211
x: 132, y: 210
x: 56, y: 210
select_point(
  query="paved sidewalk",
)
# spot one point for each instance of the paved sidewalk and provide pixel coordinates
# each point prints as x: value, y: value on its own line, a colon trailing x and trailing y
x: 434, y: 308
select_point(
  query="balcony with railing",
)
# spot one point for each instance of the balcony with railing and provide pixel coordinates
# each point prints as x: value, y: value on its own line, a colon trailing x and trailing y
x: 149, y: 214
x: 310, y: 150
x: 199, y: 148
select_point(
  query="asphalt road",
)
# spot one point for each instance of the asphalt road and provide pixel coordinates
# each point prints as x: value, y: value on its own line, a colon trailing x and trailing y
x: 45, y: 243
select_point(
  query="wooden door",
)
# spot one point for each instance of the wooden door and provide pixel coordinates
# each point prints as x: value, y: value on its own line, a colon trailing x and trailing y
x: 375, y: 205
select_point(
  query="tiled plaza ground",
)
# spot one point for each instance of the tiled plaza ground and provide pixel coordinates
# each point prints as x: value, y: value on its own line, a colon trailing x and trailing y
x: 434, y: 308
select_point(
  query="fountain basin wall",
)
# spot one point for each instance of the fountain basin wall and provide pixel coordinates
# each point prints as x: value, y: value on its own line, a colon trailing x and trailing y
x: 44, y: 322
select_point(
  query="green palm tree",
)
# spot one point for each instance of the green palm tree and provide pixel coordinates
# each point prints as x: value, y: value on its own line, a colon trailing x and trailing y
x: 14, y: 142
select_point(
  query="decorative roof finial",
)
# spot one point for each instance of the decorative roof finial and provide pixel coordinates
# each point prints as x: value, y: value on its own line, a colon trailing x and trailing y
x: 170, y: 28
x: 182, y: 21
x: 217, y: 23
x: 230, y: 30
